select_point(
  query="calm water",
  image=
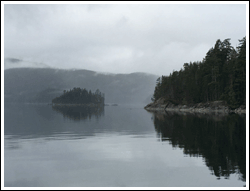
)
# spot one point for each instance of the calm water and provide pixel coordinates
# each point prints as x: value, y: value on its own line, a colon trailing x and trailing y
x: 120, y: 146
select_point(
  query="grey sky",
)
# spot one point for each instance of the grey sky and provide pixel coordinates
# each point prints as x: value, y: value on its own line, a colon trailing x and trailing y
x: 119, y: 38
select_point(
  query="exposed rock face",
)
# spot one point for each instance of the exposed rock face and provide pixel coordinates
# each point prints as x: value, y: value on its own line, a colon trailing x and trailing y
x: 208, y: 107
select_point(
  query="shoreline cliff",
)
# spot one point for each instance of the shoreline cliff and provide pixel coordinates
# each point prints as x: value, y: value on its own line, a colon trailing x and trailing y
x: 163, y: 104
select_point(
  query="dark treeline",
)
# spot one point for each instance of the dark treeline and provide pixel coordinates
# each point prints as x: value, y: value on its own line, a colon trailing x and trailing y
x: 80, y: 96
x: 221, y: 75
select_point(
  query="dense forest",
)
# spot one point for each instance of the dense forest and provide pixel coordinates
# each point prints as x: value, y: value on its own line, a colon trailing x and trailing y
x: 221, y: 75
x: 80, y: 96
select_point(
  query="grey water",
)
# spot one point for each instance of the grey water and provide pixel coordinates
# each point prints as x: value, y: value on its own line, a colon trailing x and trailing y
x: 121, y: 146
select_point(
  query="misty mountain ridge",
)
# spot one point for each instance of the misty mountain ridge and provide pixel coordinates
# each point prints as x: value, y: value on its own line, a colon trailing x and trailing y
x: 20, y: 63
x: 41, y: 85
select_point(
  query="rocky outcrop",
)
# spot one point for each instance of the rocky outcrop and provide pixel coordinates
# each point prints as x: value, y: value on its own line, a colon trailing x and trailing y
x: 159, y: 104
x: 241, y: 109
x: 208, y: 107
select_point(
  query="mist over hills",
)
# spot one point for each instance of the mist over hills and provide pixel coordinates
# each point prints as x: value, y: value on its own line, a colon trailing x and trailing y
x: 18, y: 63
x: 41, y: 85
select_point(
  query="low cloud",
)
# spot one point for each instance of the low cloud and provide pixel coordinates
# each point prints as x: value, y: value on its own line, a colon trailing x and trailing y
x: 119, y: 38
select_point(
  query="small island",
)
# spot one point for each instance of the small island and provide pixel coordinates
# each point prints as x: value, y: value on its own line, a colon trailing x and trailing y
x: 78, y: 96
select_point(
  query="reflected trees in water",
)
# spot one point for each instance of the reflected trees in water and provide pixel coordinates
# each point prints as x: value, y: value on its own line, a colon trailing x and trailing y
x: 220, y: 140
x: 76, y: 112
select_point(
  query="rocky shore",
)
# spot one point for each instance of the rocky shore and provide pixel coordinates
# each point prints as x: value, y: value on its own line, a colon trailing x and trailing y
x: 208, y: 107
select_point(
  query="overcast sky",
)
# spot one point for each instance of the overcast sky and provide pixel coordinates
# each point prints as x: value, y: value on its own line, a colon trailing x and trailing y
x: 119, y: 38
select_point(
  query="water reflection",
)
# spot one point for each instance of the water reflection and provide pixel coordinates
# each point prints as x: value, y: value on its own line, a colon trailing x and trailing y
x: 221, y: 140
x: 29, y: 121
x: 77, y: 113
x: 43, y: 148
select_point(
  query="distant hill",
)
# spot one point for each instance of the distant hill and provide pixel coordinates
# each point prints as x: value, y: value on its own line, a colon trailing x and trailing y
x: 41, y: 85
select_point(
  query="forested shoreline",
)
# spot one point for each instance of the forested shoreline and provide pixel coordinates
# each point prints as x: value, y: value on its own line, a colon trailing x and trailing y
x: 221, y: 75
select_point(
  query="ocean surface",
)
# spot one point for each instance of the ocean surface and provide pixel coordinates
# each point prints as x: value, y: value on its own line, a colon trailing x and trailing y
x: 121, y: 146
